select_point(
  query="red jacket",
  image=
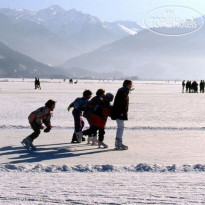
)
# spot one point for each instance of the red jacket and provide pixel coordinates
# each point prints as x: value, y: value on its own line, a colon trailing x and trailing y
x: 40, y: 116
x: 100, y: 121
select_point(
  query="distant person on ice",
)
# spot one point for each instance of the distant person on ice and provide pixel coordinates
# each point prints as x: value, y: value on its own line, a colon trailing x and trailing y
x: 79, y: 105
x: 202, y: 86
x: 120, y: 112
x: 36, y: 119
x: 183, y: 85
x: 188, y: 86
x: 195, y: 86
x: 37, y: 83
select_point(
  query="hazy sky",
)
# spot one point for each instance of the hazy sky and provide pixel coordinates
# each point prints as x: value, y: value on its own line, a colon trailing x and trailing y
x: 109, y: 10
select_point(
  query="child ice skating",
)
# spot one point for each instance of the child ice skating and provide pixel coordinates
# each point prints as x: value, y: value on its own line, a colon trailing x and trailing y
x: 98, y: 119
x: 79, y: 105
x: 93, y: 104
x: 36, y: 119
x: 120, y: 112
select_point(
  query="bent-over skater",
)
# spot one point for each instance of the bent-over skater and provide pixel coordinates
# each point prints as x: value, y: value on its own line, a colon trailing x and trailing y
x: 36, y: 119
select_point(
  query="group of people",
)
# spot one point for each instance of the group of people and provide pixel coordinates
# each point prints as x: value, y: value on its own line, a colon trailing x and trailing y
x: 95, y: 110
x: 192, y: 87
x: 37, y: 84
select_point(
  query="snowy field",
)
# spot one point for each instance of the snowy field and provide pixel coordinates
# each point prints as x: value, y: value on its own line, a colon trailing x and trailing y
x: 165, y: 163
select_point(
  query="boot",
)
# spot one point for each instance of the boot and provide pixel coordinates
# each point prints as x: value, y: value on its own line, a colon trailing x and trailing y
x: 94, y: 141
x: 102, y: 144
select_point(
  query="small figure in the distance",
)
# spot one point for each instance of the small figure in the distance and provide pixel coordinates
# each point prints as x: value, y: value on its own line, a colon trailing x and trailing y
x: 201, y: 86
x: 71, y: 81
x: 183, y: 85
x: 37, y: 84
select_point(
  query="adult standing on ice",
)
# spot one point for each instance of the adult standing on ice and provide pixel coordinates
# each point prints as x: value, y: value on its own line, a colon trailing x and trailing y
x: 36, y: 119
x: 120, y: 112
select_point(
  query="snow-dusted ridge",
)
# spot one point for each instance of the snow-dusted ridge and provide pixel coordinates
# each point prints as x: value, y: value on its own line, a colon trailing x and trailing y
x: 71, y: 21
x: 142, y: 167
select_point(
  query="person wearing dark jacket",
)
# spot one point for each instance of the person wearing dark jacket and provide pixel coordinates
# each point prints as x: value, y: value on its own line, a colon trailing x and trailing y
x: 92, y: 106
x: 98, y: 119
x: 36, y: 119
x: 120, y: 112
x: 201, y: 86
x: 79, y: 105
x: 36, y: 83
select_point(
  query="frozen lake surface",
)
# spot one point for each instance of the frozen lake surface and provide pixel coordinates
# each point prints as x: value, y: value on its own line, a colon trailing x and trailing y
x: 164, y: 163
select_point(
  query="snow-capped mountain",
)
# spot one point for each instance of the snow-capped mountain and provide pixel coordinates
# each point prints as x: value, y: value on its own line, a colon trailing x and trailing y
x: 17, y: 13
x: 53, y: 35
x: 35, y: 41
x: 83, y: 31
x: 67, y: 23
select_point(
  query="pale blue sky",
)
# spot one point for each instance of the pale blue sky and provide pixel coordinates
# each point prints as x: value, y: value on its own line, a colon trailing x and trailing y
x: 109, y: 10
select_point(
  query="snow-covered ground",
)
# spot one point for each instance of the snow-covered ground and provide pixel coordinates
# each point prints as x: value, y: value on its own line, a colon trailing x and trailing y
x: 164, y: 163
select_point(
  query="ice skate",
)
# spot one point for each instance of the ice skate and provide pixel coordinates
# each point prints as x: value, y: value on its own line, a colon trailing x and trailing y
x: 102, y: 144
x: 79, y: 136
x: 26, y: 143
x: 32, y: 147
x: 90, y: 139
x: 94, y: 141
x: 74, y: 139
x: 122, y: 147
x: 119, y: 145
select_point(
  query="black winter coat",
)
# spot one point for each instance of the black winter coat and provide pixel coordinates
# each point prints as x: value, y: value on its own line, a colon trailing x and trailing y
x: 121, y: 104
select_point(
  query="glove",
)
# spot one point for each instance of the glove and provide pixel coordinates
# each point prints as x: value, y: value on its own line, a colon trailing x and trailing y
x: 41, y: 127
x: 48, y: 129
x: 68, y: 109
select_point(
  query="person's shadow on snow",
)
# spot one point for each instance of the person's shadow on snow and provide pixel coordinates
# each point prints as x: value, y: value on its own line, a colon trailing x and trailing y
x: 49, y: 152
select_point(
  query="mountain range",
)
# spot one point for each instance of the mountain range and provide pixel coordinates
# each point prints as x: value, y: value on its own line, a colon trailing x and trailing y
x: 53, y: 35
x: 83, y: 45
x: 16, y: 65
x: 150, y: 56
